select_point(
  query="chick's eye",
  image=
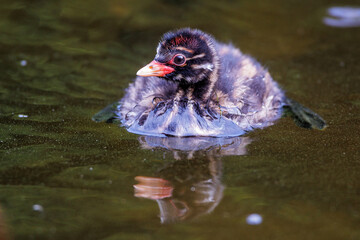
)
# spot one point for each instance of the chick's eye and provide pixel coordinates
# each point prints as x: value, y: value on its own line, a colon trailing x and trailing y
x: 179, y: 59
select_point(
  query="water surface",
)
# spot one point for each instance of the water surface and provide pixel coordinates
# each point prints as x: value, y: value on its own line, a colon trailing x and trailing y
x: 64, y: 176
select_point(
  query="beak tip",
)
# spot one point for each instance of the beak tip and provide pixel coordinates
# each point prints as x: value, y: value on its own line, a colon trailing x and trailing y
x: 143, y: 72
x: 138, y: 73
x: 154, y: 69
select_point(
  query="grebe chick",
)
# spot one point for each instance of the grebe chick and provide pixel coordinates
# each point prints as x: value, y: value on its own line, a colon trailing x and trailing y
x: 197, y: 86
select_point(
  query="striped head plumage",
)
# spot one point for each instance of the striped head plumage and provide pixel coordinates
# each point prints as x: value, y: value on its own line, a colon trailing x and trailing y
x: 186, y: 55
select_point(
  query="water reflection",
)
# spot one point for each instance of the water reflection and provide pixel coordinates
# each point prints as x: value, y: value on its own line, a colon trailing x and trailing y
x: 4, y: 235
x: 343, y: 17
x: 190, y: 186
x: 202, y: 145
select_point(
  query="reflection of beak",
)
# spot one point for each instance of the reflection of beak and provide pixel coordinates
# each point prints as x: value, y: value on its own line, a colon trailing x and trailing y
x: 152, y: 188
x: 155, y: 69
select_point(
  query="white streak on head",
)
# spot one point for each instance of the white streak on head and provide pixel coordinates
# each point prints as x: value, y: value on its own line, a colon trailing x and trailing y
x: 184, y: 49
x: 197, y: 56
x: 207, y: 66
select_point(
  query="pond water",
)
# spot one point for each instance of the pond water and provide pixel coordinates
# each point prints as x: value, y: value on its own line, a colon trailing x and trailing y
x: 64, y: 176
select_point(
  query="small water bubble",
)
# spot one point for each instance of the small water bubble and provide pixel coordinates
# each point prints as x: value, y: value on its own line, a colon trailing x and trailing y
x: 193, y: 189
x: 23, y: 63
x: 90, y: 168
x: 37, y: 208
x: 22, y: 116
x: 254, y: 219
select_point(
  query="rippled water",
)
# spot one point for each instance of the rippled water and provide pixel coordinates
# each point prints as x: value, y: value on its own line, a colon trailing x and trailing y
x: 64, y: 176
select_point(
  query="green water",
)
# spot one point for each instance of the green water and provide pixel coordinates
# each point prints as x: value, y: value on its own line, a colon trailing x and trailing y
x: 81, y: 55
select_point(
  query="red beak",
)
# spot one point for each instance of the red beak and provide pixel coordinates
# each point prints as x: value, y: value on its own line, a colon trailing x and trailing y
x: 155, y: 69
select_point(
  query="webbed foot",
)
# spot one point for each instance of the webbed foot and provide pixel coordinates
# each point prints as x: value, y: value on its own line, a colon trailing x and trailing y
x: 303, y: 117
x: 108, y: 114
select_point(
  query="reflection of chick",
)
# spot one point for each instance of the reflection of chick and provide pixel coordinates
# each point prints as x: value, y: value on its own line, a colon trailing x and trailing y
x: 190, y: 186
x: 185, y: 189
x: 4, y: 235
x: 189, y: 146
